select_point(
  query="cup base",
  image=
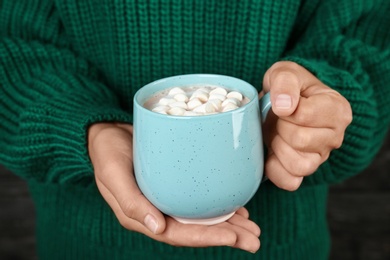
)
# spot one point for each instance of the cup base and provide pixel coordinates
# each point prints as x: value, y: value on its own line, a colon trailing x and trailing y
x: 205, y: 221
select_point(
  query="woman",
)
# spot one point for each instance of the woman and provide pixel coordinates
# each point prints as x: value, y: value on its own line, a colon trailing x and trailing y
x: 69, y: 70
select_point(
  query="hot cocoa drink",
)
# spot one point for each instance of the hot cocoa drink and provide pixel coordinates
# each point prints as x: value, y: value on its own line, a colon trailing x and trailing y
x: 195, y: 100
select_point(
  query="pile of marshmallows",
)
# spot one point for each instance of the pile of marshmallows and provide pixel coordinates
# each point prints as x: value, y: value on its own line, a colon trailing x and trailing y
x: 202, y: 101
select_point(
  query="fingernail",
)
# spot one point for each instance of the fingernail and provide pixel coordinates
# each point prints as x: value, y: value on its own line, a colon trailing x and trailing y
x: 283, y: 101
x: 151, y: 223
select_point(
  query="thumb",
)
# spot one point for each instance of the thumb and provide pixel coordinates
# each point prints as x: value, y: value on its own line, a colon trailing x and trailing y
x: 135, y: 206
x: 132, y: 207
x: 110, y: 150
x: 283, y: 82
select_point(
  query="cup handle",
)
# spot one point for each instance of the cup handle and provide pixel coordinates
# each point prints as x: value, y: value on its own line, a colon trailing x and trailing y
x: 265, y: 106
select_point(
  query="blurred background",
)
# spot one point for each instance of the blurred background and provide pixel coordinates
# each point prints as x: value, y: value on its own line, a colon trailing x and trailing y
x: 358, y: 213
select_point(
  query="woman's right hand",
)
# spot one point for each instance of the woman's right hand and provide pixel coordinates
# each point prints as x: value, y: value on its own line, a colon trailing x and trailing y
x: 110, y: 150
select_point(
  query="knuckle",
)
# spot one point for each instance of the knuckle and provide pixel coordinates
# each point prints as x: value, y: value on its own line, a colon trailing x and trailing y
x: 347, y: 114
x: 301, y: 139
x: 129, y: 206
x: 108, y: 168
x: 199, y: 239
x: 303, y: 167
x: 255, y: 246
x: 304, y: 116
x: 337, y: 142
x: 345, y: 110
x: 172, y: 239
x: 286, y: 65
x: 324, y: 157
x: 294, y: 184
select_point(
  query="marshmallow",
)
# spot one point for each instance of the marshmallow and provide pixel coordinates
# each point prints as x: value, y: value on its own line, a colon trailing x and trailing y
x: 203, y: 101
x: 200, y: 109
x: 181, y: 97
x: 204, y: 89
x: 161, y: 109
x: 219, y: 91
x: 176, y: 90
x: 176, y: 111
x: 217, y: 96
x: 216, y: 103
x: 210, y: 108
x: 201, y: 95
x: 205, y: 109
x: 166, y: 101
x: 232, y: 101
x: 180, y: 104
x: 235, y: 94
x: 193, y: 103
x: 228, y: 107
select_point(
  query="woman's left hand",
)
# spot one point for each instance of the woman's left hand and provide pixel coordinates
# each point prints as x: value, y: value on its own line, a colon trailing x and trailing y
x: 307, y: 122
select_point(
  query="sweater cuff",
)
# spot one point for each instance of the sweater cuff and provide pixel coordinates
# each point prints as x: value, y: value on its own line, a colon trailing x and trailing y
x: 53, y: 133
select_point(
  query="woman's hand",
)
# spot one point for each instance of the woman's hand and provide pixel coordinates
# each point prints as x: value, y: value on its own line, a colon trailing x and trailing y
x: 308, y: 121
x: 110, y: 150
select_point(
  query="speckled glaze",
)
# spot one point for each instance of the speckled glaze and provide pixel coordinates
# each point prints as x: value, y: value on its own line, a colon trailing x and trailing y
x: 203, y: 166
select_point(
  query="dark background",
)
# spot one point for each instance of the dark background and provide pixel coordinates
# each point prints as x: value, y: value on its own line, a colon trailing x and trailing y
x: 358, y: 213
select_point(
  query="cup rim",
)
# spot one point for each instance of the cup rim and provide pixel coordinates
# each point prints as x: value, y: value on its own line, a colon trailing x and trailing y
x: 205, y: 75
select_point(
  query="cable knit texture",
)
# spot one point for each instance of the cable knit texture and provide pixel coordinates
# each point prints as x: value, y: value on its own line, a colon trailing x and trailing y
x: 65, y: 65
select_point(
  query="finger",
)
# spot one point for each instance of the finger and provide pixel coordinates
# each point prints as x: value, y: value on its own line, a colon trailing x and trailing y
x: 296, y: 163
x: 261, y: 93
x: 307, y: 139
x: 245, y: 223
x: 127, y: 127
x: 279, y: 176
x: 192, y: 235
x: 124, y: 220
x: 120, y: 181
x: 243, y: 212
x: 222, y: 234
x: 284, y: 84
x: 321, y: 110
x: 245, y: 240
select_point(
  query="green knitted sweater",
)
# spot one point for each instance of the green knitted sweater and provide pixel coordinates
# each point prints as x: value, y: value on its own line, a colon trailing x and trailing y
x: 65, y: 65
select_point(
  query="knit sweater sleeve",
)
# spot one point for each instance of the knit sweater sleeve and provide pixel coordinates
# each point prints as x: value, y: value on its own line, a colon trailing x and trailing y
x: 48, y: 97
x: 348, y: 48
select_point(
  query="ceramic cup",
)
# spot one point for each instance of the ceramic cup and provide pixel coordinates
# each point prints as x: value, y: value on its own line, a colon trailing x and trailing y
x: 199, y: 169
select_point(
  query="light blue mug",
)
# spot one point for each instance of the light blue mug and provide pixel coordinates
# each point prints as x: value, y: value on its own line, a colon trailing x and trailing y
x: 199, y: 169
